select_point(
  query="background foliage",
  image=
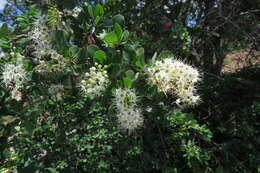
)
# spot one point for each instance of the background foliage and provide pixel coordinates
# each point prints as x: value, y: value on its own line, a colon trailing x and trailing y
x: 41, y: 134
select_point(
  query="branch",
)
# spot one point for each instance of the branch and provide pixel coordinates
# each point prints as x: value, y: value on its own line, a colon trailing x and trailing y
x: 18, y: 37
x: 250, y: 11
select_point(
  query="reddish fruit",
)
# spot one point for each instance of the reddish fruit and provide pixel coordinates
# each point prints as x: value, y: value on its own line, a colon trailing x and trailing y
x: 167, y: 23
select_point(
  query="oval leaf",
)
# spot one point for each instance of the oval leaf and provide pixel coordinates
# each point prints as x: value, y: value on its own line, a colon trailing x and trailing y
x: 100, y: 56
x: 91, y: 49
x: 118, y: 30
x: 111, y: 38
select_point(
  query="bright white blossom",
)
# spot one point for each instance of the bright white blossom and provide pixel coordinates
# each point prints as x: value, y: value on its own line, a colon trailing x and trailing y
x: 95, y: 82
x: 175, y: 77
x: 75, y: 12
x: 57, y: 91
x: 130, y: 119
x: 14, y: 76
x: 41, y: 35
x: 43, y: 47
x: 129, y: 116
x: 16, y: 94
x: 2, y: 54
x: 125, y: 99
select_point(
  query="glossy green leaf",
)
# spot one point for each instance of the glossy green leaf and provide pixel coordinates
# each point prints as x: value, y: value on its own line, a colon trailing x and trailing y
x: 111, y: 38
x: 140, y: 56
x: 99, y: 11
x: 118, y: 30
x: 90, y: 11
x: 97, y: 19
x: 100, y: 56
x: 164, y: 54
x: 4, y: 43
x: 125, y: 36
x: 127, y: 82
x: 4, y: 31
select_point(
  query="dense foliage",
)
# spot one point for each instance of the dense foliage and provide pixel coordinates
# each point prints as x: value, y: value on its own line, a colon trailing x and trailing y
x: 100, y: 88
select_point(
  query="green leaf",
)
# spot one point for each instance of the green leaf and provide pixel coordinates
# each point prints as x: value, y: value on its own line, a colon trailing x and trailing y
x: 127, y: 82
x: 118, y: 30
x: 130, y: 74
x: 131, y: 51
x: 164, y: 54
x: 91, y: 49
x: 138, y: 64
x: 4, y: 43
x: 73, y: 51
x: 90, y: 11
x: 100, y: 56
x: 154, y: 58
x: 23, y: 41
x: 140, y: 57
x: 111, y: 38
x: 119, y: 19
x: 125, y: 36
x: 4, y: 31
x: 99, y: 11
x: 97, y: 20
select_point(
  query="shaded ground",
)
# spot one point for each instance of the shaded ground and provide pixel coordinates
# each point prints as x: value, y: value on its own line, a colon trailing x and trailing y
x: 240, y: 59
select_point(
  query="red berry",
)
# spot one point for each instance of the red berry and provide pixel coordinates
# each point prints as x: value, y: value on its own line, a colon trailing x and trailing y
x: 167, y: 23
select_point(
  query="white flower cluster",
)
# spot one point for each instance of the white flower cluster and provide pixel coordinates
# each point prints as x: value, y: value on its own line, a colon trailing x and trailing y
x: 125, y: 99
x: 129, y: 116
x: 59, y: 65
x: 41, y: 35
x: 175, y: 77
x: 57, y: 92
x: 95, y: 82
x: 13, y: 77
x: 2, y: 54
x: 75, y: 12
x: 16, y: 94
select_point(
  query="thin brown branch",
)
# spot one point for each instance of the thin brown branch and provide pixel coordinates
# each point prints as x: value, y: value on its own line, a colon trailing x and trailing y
x: 18, y: 37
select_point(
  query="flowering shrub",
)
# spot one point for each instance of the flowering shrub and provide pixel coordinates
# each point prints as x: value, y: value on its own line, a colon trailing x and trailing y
x: 174, y: 77
x: 84, y: 98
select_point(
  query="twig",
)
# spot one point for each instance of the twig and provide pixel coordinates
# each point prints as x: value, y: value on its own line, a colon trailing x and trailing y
x: 14, y: 39
x: 250, y: 11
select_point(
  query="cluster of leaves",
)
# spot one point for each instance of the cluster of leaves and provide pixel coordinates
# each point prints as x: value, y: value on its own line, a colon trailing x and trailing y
x: 43, y: 133
x: 206, y: 30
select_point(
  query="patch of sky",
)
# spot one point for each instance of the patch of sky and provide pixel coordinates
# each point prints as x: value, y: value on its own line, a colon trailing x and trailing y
x: 2, y: 4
